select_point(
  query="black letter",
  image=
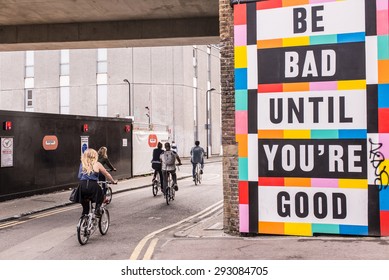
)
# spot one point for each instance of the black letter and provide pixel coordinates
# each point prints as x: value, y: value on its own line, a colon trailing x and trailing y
x: 324, y: 210
x: 330, y: 109
x: 299, y: 22
x: 280, y: 209
x: 292, y: 108
x: 342, y: 117
x: 301, y: 213
x: 273, y: 119
x: 316, y: 18
x: 343, y: 206
x: 315, y: 101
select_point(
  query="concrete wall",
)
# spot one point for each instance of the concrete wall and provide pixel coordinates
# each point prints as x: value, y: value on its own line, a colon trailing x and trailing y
x: 12, y: 81
x: 161, y: 78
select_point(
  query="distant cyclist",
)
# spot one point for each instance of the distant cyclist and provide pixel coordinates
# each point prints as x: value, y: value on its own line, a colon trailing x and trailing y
x: 104, y: 160
x: 156, y: 162
x: 197, y: 156
x: 168, y: 159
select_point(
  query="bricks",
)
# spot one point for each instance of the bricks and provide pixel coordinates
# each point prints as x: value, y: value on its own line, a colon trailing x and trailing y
x: 230, y: 149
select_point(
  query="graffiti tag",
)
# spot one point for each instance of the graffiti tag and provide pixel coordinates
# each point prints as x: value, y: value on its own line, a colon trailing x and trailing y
x: 376, y: 160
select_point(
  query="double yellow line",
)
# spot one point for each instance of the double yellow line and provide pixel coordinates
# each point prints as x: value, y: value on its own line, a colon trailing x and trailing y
x: 153, y: 243
x: 37, y: 216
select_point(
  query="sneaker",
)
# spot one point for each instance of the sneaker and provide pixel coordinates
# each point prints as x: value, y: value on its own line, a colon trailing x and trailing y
x: 175, y: 187
x: 201, y: 171
x: 98, y: 213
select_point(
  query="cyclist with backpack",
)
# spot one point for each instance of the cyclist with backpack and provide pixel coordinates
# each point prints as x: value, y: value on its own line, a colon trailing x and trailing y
x: 168, y: 159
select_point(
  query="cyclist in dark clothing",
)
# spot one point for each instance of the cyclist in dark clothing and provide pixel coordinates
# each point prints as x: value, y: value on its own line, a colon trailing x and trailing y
x: 104, y: 160
x: 156, y: 162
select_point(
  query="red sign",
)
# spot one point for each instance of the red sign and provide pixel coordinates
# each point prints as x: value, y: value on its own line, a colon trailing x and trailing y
x: 50, y: 142
x: 153, y: 140
x: 7, y: 125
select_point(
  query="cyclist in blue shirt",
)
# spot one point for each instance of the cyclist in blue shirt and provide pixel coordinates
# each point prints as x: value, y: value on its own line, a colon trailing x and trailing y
x: 88, y: 175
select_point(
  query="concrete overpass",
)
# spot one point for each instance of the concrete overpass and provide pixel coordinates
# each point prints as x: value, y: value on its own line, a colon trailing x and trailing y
x: 60, y: 24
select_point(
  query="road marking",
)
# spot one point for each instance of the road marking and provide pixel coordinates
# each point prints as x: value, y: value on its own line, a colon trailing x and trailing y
x: 150, y: 250
x: 37, y: 216
x: 138, y: 249
x: 10, y: 224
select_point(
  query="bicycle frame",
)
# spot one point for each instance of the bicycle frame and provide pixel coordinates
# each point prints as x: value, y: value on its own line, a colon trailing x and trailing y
x: 169, y: 192
x: 198, y: 176
x: 156, y: 185
x: 108, y: 191
x: 87, y: 224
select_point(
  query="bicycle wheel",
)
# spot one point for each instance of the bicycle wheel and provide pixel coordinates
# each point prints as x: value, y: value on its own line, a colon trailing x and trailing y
x: 108, y: 195
x: 167, y: 195
x: 200, y: 176
x: 154, y: 187
x: 197, y: 174
x: 104, y: 221
x: 82, y: 230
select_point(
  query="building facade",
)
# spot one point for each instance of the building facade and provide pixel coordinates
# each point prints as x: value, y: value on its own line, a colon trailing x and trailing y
x: 173, y: 88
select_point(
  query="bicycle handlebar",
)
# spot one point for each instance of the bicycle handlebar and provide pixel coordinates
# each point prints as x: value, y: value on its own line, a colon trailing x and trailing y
x: 108, y: 182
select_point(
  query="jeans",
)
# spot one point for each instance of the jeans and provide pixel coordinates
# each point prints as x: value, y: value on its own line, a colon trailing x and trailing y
x: 165, y: 180
x: 158, y: 169
x: 194, y: 167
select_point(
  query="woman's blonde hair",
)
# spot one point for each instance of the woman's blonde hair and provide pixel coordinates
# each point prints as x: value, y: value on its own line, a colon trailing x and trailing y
x: 103, y: 152
x: 88, y: 159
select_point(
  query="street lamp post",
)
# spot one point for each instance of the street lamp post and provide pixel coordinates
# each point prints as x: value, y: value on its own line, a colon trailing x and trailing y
x: 129, y: 96
x: 207, y: 124
x: 148, y: 115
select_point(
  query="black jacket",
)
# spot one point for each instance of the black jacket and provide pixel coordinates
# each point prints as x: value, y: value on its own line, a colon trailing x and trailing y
x: 105, y: 161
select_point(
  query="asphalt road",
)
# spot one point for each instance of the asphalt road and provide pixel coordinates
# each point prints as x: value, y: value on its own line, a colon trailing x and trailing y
x: 134, y: 214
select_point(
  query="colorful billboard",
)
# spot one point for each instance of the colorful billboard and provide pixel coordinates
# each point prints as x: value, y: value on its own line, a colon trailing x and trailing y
x: 312, y: 103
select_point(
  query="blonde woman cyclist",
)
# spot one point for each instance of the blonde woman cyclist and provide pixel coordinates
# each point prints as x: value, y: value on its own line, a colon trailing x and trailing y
x: 88, y: 175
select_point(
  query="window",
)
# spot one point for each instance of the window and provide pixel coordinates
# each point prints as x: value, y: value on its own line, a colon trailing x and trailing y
x: 64, y: 100
x: 101, y: 82
x: 29, y: 99
x: 29, y: 71
x: 64, y: 70
x: 101, y: 54
x: 102, y: 67
x: 65, y: 57
x: 102, y: 100
x: 64, y: 82
x: 29, y: 58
